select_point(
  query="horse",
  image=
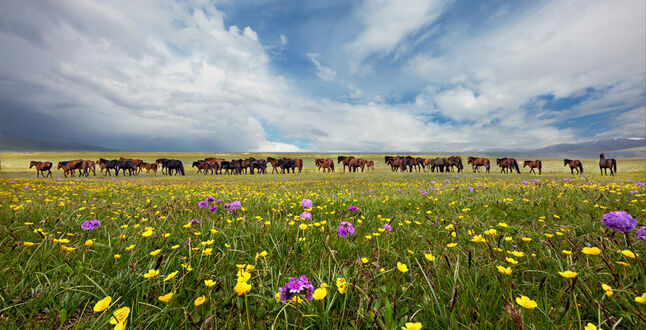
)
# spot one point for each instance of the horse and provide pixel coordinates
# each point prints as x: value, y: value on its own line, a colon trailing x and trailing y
x: 274, y: 164
x: 413, y: 163
x: 324, y: 163
x: 42, y: 167
x: 258, y: 164
x: 70, y: 166
x: 226, y: 166
x: 89, y: 165
x: 108, y: 165
x: 125, y: 165
x: 173, y: 164
x: 476, y: 162
x: 149, y: 167
x: 202, y: 166
x: 574, y: 165
x: 356, y: 163
x: 396, y: 163
x: 426, y: 164
x: 441, y: 164
x: 160, y: 161
x: 286, y: 164
x: 136, y: 163
x: 508, y: 164
x: 457, y: 162
x: 605, y: 164
x: 345, y: 160
x: 532, y: 165
x: 370, y: 164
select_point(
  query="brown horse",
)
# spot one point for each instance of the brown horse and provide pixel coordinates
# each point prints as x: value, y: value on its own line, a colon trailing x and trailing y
x: 69, y: 167
x: 136, y: 163
x: 574, y: 165
x: 160, y: 162
x: 476, y: 162
x: 324, y: 163
x: 427, y: 164
x: 532, y: 165
x: 370, y: 164
x: 274, y: 164
x: 298, y: 162
x: 457, y: 162
x: 605, y: 164
x: 42, y: 167
x: 356, y: 163
x: 89, y: 165
x: 149, y: 167
x: 345, y: 160
x: 396, y: 163
x: 507, y: 164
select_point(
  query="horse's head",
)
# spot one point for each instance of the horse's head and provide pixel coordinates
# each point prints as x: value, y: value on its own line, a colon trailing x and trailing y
x: 602, y: 156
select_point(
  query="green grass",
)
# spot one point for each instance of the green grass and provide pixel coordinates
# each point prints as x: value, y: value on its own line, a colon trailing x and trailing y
x: 45, y: 286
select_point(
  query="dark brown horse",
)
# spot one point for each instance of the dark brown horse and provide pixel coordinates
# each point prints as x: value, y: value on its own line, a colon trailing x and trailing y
x: 69, y: 167
x: 427, y: 164
x: 297, y: 162
x: 605, y: 164
x: 345, y: 160
x: 324, y: 163
x: 370, y: 165
x: 476, y: 162
x: 89, y: 165
x: 160, y: 162
x: 507, y: 164
x: 356, y: 163
x: 274, y: 164
x: 457, y: 162
x: 396, y: 163
x: 532, y: 165
x: 42, y: 167
x: 136, y: 163
x: 574, y: 165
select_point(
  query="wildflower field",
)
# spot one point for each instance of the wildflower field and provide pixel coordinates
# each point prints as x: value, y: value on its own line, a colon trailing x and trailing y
x: 324, y: 251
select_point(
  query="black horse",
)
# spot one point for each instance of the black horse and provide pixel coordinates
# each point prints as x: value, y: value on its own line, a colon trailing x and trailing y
x: 605, y: 164
x: 125, y: 165
x: 173, y: 164
x: 441, y: 164
x: 109, y: 165
x: 258, y: 164
x: 286, y: 164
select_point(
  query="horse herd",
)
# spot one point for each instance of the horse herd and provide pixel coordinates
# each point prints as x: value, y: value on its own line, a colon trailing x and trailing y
x: 283, y: 165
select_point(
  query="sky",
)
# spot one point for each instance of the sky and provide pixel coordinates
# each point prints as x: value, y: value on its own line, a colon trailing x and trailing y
x: 326, y: 76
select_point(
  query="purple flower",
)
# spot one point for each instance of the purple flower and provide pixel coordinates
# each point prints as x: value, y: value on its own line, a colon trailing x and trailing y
x: 306, y: 203
x: 213, y: 208
x: 566, y: 180
x: 632, y: 192
x: 90, y: 224
x: 432, y: 182
x: 471, y: 189
x: 230, y: 207
x: 344, y: 229
x: 619, y: 221
x: 399, y: 191
x: 352, y: 208
x: 387, y: 228
x: 535, y: 180
x: 371, y: 190
x: 306, y: 215
x: 446, y: 181
x: 295, y: 286
x: 641, y: 234
x: 203, y: 204
x: 639, y: 184
x: 194, y: 221
x: 12, y: 182
x: 525, y: 182
x: 210, y: 199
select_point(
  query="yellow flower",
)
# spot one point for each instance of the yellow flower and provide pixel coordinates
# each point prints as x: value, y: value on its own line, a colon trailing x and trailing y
x: 429, y: 257
x: 503, y: 270
x: 166, y: 298
x: 170, y: 276
x: 242, y: 287
x: 452, y: 245
x: 517, y: 254
x: 525, y: 302
x: 209, y: 283
x: 320, y: 293
x: 568, y: 274
x: 207, y: 252
x: 147, y: 233
x: 364, y: 260
x: 152, y: 273
x: 508, y: 238
x: 590, y: 326
x: 120, y: 326
x: 591, y: 250
x: 628, y: 254
x: 156, y: 252
x: 491, y: 232
x: 102, y: 304
x: 478, y: 239
x: 28, y: 244
x: 89, y: 242
x: 117, y: 256
x: 511, y: 261
x: 412, y: 326
x: 260, y: 255
x: 568, y: 252
x: 302, y: 226
x: 607, y: 289
x: 341, y: 285
x: 402, y: 267
x: 199, y: 300
x: 502, y: 225
x: 526, y: 239
x: 129, y: 248
x: 120, y: 315
x: 641, y: 299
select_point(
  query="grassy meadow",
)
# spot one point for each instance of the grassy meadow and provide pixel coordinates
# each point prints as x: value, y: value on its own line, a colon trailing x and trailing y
x: 438, y: 250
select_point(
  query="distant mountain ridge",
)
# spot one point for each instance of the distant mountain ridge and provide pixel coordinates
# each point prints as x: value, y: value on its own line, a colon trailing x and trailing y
x: 634, y: 147
x: 31, y: 144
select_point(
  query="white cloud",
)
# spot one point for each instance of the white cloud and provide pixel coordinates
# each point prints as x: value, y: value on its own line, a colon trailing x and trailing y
x: 323, y: 72
x: 283, y: 40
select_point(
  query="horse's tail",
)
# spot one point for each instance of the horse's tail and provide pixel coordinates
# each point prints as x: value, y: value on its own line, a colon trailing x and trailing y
x: 181, y: 168
x: 581, y: 167
x: 516, y: 166
x: 614, y: 165
x: 488, y: 165
x: 332, y: 166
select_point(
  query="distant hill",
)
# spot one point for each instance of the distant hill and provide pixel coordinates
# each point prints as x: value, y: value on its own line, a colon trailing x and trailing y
x: 31, y: 144
x: 618, y: 147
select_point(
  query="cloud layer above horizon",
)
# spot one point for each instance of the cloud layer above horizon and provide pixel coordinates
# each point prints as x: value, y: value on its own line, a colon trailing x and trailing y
x: 281, y: 76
